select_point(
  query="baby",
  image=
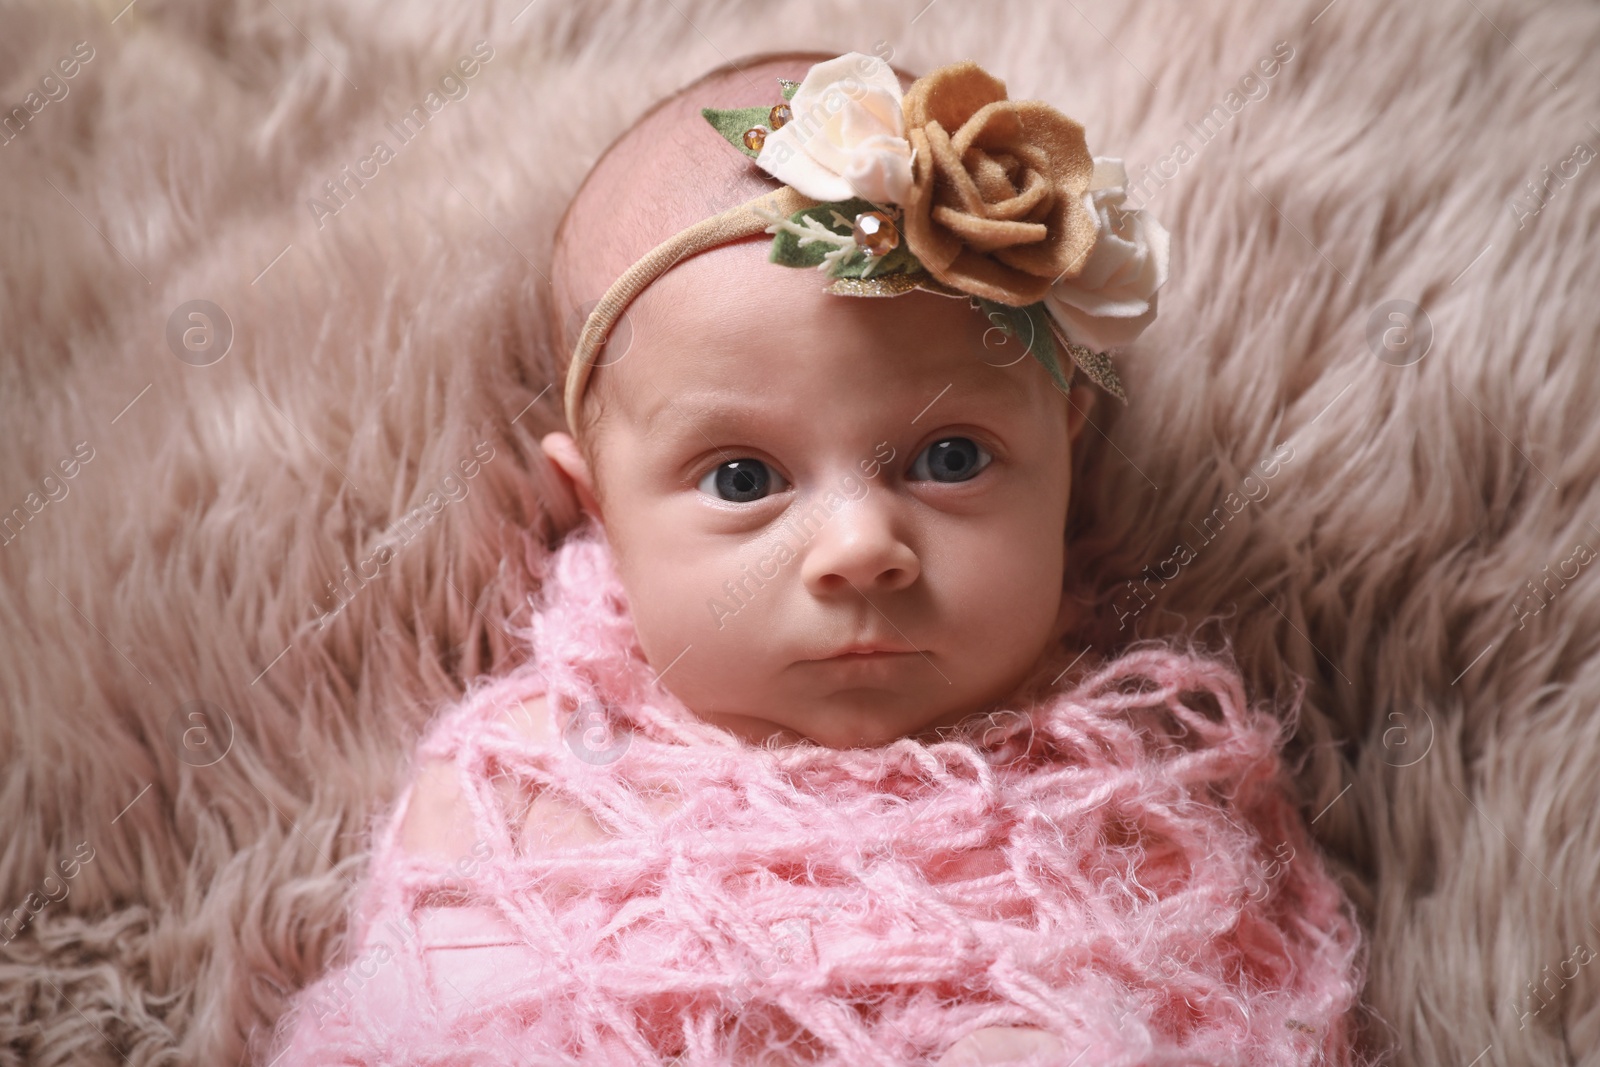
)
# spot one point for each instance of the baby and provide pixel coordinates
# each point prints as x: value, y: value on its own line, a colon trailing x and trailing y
x: 806, y: 767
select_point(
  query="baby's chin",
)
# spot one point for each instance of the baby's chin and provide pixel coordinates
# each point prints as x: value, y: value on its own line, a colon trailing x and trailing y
x: 858, y: 712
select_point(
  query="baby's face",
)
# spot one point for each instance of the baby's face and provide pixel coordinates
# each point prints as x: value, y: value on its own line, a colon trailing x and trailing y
x: 835, y: 517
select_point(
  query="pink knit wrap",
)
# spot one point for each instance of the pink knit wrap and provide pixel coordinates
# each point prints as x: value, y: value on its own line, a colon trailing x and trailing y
x: 1117, y: 863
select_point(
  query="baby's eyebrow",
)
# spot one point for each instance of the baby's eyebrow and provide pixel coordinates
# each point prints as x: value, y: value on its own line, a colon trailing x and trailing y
x: 706, y: 414
x: 991, y: 385
x: 715, y: 417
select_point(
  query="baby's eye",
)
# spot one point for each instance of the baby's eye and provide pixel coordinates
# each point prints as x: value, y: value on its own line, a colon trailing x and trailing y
x: 741, y: 481
x: 954, y: 459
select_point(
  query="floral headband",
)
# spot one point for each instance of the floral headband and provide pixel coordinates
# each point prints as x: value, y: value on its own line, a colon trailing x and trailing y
x: 950, y: 188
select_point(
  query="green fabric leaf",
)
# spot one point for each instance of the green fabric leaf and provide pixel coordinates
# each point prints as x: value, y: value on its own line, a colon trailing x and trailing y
x: 1031, y: 326
x: 897, y: 261
x: 733, y: 122
x: 786, y: 247
x: 788, y: 88
x: 789, y: 252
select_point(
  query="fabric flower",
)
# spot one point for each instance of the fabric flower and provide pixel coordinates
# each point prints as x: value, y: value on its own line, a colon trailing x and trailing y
x: 1113, y: 298
x: 847, y: 136
x: 997, y: 205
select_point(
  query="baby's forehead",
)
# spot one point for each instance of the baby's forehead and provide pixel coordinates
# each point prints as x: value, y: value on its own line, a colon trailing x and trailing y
x: 730, y: 330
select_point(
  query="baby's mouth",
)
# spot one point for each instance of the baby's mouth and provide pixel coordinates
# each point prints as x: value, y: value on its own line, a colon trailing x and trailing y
x: 863, y: 651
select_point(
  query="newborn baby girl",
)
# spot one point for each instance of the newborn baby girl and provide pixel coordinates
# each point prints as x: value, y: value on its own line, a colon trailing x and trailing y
x: 805, y: 766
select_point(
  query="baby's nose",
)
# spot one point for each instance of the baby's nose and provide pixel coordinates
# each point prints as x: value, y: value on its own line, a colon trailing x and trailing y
x: 860, y: 546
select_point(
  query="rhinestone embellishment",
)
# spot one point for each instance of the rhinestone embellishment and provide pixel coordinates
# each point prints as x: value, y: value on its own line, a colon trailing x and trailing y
x: 875, y: 233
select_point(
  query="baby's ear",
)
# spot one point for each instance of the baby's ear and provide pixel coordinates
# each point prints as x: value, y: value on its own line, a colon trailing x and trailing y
x: 575, y: 473
x: 1082, y: 399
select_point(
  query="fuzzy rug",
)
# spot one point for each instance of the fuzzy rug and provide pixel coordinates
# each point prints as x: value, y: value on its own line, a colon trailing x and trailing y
x: 245, y: 352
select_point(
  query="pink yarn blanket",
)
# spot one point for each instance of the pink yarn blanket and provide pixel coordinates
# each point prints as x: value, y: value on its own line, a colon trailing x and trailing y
x: 1117, y: 863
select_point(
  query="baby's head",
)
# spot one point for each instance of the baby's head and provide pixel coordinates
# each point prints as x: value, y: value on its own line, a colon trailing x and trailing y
x: 835, y: 518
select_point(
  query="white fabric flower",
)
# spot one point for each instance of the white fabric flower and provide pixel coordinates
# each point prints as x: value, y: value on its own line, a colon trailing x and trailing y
x: 1113, y: 298
x: 847, y: 137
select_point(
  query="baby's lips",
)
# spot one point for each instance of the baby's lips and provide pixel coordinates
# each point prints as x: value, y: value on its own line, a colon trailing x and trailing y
x: 865, y: 646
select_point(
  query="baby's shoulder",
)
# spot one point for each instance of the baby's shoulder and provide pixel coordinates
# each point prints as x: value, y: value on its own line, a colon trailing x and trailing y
x: 439, y: 820
x: 529, y: 719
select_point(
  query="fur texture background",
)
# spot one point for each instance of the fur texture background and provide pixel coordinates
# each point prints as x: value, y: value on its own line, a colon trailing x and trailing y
x: 1448, y: 728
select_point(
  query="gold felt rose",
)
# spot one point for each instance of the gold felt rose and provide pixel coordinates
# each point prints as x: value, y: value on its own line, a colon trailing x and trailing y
x: 996, y: 206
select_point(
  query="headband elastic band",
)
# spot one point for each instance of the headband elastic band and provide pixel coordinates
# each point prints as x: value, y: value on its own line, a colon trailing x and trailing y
x: 741, y: 220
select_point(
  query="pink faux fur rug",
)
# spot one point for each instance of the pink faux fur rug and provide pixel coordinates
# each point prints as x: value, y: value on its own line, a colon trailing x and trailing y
x: 251, y: 545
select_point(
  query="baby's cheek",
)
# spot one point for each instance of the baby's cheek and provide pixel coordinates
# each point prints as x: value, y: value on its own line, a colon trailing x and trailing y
x: 1007, y: 602
x: 702, y: 641
x: 663, y: 616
